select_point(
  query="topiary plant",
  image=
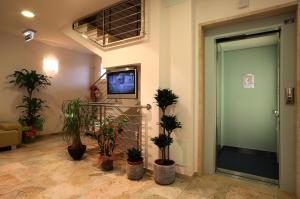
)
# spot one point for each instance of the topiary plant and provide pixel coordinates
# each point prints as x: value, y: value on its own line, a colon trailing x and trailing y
x: 165, y: 98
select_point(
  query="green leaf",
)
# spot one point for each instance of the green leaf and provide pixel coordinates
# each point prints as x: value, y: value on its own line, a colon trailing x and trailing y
x: 169, y: 122
x: 165, y: 98
x: 162, y: 141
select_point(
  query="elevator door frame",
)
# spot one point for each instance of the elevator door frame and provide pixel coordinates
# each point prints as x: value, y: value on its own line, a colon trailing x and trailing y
x: 287, y: 115
x: 237, y: 38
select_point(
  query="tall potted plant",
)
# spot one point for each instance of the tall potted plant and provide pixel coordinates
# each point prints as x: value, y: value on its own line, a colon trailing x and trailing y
x: 75, y: 121
x: 32, y: 106
x: 164, y: 168
x: 107, y: 138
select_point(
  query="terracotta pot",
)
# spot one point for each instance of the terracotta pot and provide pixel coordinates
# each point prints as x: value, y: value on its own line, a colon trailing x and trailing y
x: 77, y: 154
x: 164, y: 174
x: 107, y: 164
x: 135, y: 170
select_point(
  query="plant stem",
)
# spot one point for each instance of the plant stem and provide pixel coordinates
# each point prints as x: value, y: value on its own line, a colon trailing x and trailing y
x: 164, y: 112
x: 169, y: 134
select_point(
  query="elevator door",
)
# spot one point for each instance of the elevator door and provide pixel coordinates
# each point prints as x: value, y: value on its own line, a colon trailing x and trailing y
x: 286, y: 143
x: 247, y: 109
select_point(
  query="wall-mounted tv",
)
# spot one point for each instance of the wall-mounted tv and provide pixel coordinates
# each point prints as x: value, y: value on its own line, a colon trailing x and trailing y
x: 122, y: 83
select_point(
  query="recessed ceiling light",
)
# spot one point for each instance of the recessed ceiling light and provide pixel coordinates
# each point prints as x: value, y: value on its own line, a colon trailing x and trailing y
x: 27, y: 13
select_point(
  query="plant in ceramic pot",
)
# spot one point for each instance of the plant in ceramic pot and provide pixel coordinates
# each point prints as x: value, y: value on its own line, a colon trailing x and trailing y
x: 75, y: 121
x: 32, y: 106
x: 107, y: 138
x: 164, y: 168
x: 135, y: 164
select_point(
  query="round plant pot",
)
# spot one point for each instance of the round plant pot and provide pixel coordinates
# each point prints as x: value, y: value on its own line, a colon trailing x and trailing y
x: 164, y: 174
x: 76, y: 154
x: 107, y: 164
x: 27, y: 140
x: 135, y: 170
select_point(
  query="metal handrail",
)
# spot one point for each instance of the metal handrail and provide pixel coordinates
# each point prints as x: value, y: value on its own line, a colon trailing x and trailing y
x: 148, y: 106
x: 120, y: 39
x: 93, y: 28
x: 98, y: 79
x: 132, y: 135
x: 109, y: 15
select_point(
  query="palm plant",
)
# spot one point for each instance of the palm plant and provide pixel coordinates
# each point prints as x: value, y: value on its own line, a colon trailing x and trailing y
x: 74, y: 122
x: 32, y: 107
x: 165, y: 98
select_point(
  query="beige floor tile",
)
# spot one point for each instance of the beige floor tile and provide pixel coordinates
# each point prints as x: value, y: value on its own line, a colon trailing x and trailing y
x: 44, y: 170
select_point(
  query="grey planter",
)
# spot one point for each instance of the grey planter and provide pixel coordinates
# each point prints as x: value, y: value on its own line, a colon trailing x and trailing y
x: 135, y: 170
x: 164, y: 174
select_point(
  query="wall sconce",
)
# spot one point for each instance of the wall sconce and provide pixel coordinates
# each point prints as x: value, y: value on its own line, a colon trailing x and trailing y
x: 50, y: 66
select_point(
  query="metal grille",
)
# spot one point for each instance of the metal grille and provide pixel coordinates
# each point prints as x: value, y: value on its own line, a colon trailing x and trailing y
x: 116, y: 24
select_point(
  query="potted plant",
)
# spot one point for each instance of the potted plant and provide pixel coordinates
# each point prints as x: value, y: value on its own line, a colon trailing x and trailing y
x: 32, y: 106
x: 107, y: 138
x: 28, y: 134
x: 75, y: 122
x: 164, y: 168
x: 135, y: 164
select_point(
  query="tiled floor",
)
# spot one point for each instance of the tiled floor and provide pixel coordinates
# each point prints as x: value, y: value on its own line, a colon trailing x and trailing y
x: 44, y: 170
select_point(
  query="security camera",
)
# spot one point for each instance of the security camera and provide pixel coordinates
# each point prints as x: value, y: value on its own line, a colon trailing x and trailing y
x: 28, y: 34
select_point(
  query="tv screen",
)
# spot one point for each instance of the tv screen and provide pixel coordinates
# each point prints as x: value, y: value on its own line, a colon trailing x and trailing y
x: 121, y: 84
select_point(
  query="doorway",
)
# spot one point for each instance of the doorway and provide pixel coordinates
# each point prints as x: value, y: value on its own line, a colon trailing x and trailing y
x: 285, y: 140
x: 247, y: 106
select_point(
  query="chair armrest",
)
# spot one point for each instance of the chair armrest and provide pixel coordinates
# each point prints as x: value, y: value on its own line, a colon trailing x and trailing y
x: 7, y: 126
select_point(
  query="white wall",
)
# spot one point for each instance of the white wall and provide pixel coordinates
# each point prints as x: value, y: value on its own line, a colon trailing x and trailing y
x: 169, y: 58
x: 147, y: 54
x: 181, y: 81
x: 207, y: 10
x: 71, y: 81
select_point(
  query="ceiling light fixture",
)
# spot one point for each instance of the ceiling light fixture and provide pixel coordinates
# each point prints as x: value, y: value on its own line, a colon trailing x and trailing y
x: 27, y: 13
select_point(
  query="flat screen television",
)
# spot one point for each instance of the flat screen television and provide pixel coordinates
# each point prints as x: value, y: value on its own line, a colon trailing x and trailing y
x: 122, y: 83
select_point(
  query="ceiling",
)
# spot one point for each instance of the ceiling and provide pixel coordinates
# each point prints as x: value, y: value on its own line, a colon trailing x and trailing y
x: 250, y: 43
x: 51, y: 18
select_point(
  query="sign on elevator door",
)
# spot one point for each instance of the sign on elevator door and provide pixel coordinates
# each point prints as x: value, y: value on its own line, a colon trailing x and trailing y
x: 248, y: 81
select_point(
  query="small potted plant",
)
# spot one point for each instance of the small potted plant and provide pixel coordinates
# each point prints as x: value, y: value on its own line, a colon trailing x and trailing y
x: 135, y: 164
x: 164, y: 168
x: 74, y: 123
x: 28, y: 134
x: 107, y: 137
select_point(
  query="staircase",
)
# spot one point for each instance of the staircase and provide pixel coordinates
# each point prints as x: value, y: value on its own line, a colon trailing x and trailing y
x: 102, y: 107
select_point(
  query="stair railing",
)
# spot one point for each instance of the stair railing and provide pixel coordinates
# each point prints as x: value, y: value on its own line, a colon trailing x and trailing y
x: 132, y: 133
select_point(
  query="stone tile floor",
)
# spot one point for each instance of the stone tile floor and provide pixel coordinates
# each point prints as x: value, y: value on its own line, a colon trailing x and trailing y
x: 44, y: 170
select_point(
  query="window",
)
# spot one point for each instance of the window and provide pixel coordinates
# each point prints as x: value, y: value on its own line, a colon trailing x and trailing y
x: 116, y: 24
